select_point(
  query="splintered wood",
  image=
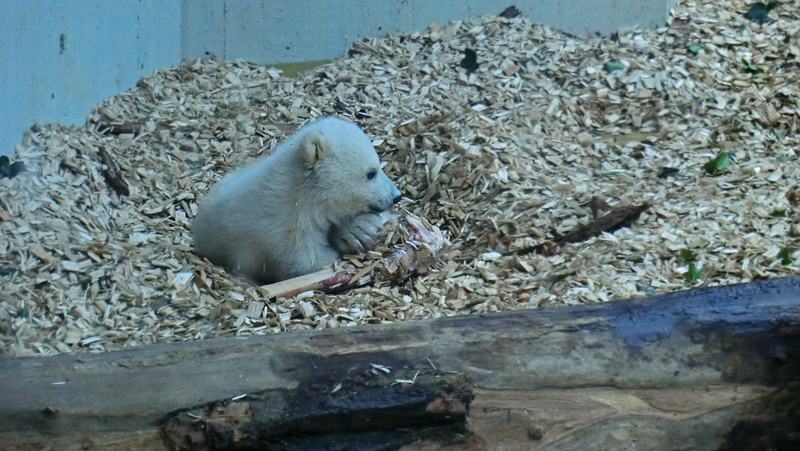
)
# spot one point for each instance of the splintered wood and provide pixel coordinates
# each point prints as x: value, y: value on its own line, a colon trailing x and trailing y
x: 408, y: 246
x: 96, y: 252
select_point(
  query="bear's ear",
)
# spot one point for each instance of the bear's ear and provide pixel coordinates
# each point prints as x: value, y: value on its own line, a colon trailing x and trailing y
x: 313, y: 148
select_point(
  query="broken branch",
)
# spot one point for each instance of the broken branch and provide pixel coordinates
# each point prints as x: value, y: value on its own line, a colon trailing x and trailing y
x: 112, y: 173
x: 613, y: 220
x: 416, y: 255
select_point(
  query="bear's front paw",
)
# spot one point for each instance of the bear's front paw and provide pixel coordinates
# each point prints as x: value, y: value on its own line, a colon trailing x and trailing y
x: 358, y: 235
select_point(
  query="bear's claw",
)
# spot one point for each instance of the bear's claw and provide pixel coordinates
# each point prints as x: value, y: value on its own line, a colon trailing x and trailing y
x: 358, y: 235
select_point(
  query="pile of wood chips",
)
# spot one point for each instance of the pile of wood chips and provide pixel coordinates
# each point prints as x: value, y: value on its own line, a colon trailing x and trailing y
x: 547, y: 132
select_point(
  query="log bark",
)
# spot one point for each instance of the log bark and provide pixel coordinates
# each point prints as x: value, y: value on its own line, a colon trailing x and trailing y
x: 711, y: 368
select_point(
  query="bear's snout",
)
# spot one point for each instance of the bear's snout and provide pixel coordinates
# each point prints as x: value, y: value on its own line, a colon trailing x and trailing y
x: 386, y: 203
x: 396, y: 196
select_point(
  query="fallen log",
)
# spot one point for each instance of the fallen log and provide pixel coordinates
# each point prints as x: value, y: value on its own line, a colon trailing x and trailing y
x: 710, y: 368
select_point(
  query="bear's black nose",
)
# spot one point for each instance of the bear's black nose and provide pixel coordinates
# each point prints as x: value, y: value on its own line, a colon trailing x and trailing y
x: 397, y: 199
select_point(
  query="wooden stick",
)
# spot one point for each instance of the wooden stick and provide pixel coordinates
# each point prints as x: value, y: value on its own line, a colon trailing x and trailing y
x: 421, y: 235
x: 112, y: 173
x: 119, y: 129
x: 613, y: 220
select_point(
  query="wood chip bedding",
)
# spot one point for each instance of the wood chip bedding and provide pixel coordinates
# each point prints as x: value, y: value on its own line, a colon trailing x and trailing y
x: 502, y: 158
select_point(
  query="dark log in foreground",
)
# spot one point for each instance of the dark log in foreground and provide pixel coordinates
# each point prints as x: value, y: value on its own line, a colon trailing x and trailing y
x: 714, y: 368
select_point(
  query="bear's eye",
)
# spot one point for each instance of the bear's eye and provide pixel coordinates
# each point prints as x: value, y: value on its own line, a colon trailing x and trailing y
x: 372, y: 173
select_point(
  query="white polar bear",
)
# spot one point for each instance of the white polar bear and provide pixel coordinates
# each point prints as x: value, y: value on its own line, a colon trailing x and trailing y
x: 320, y: 194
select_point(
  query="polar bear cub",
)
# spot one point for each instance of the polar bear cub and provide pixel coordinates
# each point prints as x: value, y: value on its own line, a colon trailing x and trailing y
x: 320, y: 194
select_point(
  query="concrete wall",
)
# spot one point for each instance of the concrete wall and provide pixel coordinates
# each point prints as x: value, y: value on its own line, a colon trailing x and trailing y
x: 60, y: 57
x: 302, y: 30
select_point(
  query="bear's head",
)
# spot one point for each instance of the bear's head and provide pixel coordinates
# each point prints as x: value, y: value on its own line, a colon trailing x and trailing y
x: 344, y: 167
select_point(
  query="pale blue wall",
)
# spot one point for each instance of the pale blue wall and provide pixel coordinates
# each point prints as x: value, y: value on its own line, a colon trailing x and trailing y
x: 110, y: 44
x: 107, y: 46
x: 302, y: 30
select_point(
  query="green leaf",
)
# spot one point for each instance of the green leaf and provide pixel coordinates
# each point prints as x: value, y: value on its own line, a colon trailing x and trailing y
x: 687, y: 255
x: 695, y: 48
x: 778, y: 133
x: 719, y: 163
x: 779, y: 214
x: 751, y: 68
x: 786, y: 256
x: 560, y: 277
x: 611, y: 66
x: 694, y: 274
x: 563, y: 276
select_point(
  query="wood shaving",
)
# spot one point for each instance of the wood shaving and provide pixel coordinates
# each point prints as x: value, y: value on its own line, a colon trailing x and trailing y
x: 502, y: 158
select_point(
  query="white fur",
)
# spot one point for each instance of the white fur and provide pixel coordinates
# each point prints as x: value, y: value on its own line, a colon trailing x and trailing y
x: 297, y: 209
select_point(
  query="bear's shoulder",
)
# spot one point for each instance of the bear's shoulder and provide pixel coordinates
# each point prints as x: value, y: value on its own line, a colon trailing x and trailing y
x: 273, y: 219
